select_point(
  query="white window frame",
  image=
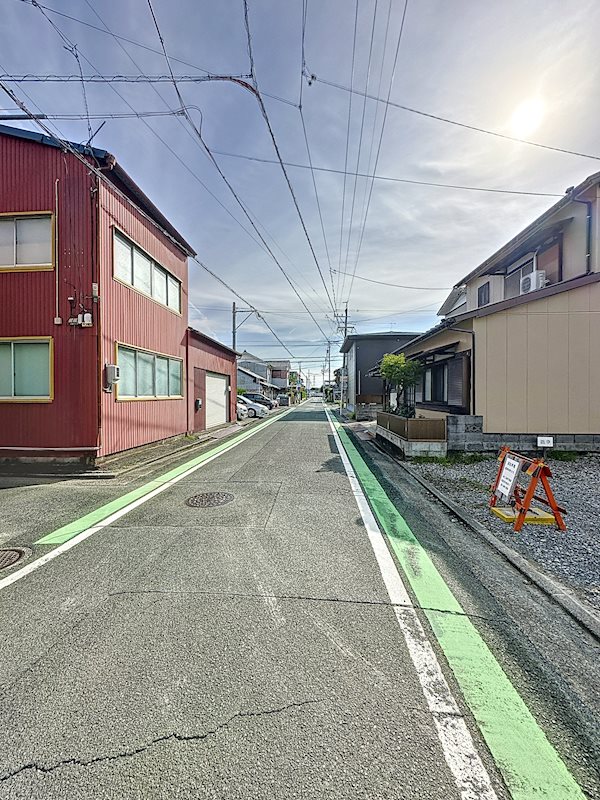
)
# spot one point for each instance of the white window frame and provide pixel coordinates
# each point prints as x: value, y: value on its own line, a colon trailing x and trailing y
x: 16, y: 340
x: 140, y: 397
x: 24, y: 215
x: 118, y: 234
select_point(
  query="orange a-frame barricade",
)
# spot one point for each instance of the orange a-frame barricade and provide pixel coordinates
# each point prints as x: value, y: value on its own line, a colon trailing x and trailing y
x: 506, y: 488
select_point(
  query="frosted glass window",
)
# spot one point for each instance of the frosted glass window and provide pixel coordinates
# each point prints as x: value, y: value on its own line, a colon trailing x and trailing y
x: 7, y: 242
x: 145, y: 375
x: 126, y: 385
x: 174, y: 292
x: 174, y: 377
x: 31, y: 369
x: 162, y: 376
x: 427, y: 385
x: 6, y: 369
x: 142, y: 272
x: 160, y: 285
x: 123, y: 266
x: 34, y: 240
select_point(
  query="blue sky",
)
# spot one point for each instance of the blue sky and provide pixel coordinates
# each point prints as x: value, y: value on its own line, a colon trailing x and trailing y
x: 470, y: 61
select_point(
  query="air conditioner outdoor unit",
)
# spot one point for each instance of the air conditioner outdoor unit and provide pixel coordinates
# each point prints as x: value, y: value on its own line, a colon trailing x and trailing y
x: 535, y: 280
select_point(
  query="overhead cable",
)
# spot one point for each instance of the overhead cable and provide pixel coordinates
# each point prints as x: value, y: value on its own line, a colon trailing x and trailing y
x: 280, y: 159
x: 388, y: 103
x: 218, y: 168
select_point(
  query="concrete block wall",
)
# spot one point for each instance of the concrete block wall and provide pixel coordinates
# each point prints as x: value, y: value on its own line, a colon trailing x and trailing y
x: 465, y: 433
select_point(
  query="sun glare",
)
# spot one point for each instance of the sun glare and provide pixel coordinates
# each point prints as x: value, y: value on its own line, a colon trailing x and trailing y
x: 527, y: 117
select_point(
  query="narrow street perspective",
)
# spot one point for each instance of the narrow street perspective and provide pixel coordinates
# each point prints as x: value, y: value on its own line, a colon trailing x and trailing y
x: 243, y: 629
x: 299, y: 400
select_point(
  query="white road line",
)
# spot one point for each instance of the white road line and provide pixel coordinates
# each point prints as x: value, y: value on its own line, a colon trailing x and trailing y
x: 62, y: 548
x: 469, y: 773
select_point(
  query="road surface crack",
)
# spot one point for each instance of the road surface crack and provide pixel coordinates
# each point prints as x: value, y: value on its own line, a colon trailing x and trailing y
x: 173, y: 736
x: 304, y: 598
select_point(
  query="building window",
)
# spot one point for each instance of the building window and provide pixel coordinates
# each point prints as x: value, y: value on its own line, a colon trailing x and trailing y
x: 26, y: 370
x: 512, y: 283
x: 483, y: 295
x: 147, y: 375
x: 132, y: 266
x: 26, y: 242
x: 435, y: 384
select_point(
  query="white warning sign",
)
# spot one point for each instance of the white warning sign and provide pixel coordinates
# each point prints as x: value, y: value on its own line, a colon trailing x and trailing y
x: 508, y: 477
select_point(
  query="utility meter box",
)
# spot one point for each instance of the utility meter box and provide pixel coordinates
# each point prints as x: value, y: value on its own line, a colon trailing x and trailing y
x: 112, y: 373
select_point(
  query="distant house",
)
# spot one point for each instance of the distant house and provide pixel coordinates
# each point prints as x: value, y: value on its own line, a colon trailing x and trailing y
x: 280, y: 374
x: 362, y: 351
x: 255, y: 375
x: 95, y: 351
x: 517, y: 354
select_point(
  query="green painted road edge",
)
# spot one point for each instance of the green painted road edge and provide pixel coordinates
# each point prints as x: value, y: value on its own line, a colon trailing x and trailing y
x: 72, y: 529
x: 529, y: 764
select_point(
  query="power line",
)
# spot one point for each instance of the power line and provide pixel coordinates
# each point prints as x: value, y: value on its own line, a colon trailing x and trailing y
x: 360, y: 138
x: 98, y: 78
x: 194, y: 139
x: 388, y: 103
x: 142, y: 45
x: 218, y: 168
x: 364, y: 224
x: 279, y: 158
x: 347, y: 140
x: 400, y: 286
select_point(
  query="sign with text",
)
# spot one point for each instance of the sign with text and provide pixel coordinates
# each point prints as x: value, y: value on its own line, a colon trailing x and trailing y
x: 508, y: 476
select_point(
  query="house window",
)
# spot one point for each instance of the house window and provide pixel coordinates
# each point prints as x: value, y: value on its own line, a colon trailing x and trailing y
x: 512, y: 283
x: 26, y: 242
x: 483, y: 295
x: 435, y: 384
x: 147, y: 375
x: 132, y: 266
x: 26, y: 370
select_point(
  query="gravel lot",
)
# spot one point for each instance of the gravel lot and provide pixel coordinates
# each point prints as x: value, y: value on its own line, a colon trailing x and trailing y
x: 573, y: 557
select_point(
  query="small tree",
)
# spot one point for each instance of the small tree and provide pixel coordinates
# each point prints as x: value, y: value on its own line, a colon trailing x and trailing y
x: 403, y: 374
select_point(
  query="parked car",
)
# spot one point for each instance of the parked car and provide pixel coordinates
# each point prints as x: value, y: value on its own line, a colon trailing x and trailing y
x: 254, y: 409
x: 256, y: 397
x: 283, y: 399
x: 242, y: 410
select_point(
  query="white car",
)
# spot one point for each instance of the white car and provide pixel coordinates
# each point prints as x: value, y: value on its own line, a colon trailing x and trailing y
x: 254, y: 409
x: 242, y: 410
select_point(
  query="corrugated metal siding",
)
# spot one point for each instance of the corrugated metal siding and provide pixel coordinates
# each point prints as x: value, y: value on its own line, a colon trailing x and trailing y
x: 28, y: 171
x: 129, y: 317
x: 204, y: 355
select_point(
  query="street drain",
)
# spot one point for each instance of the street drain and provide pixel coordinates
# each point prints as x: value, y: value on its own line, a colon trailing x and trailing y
x: 209, y: 499
x: 10, y: 556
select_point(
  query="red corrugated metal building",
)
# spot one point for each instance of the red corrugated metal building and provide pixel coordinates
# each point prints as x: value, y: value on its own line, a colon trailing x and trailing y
x: 93, y: 275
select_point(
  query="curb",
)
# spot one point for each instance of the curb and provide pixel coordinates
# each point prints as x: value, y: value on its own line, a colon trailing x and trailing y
x: 551, y: 587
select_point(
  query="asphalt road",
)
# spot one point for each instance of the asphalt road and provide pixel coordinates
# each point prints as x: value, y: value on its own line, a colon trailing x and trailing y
x: 251, y: 650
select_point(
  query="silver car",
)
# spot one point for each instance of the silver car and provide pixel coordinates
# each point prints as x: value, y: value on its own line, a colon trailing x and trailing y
x: 254, y: 409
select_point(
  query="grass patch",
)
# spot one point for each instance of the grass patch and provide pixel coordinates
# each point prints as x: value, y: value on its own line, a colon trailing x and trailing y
x: 451, y: 459
x: 564, y: 455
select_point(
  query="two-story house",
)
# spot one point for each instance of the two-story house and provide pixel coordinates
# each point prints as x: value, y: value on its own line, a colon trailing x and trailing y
x: 517, y: 354
x: 95, y: 352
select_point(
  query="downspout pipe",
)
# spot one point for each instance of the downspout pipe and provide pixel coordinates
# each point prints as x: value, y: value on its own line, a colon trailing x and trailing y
x: 472, y: 335
x: 588, y: 233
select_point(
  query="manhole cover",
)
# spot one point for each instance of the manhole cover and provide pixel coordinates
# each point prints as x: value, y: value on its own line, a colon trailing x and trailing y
x: 209, y: 499
x: 9, y: 557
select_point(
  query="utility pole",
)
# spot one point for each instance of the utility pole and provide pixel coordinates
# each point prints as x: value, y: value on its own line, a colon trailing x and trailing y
x: 234, y: 326
x: 233, y: 329
x: 344, y: 380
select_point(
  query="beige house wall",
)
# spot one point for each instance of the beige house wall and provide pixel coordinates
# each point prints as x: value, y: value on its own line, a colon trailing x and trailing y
x: 537, y: 365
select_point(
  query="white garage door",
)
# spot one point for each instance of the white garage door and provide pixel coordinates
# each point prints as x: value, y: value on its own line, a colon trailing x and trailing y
x: 217, y: 399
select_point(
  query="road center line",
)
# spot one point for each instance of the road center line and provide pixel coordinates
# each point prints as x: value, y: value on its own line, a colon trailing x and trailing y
x: 530, y: 766
x: 75, y: 532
